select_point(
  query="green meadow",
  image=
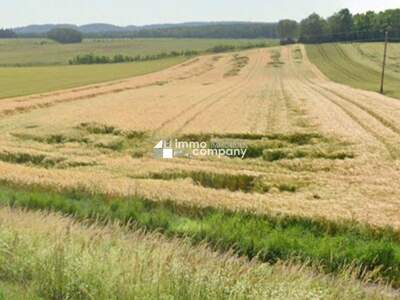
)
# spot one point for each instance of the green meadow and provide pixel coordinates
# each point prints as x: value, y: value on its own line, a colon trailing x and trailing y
x: 358, y: 65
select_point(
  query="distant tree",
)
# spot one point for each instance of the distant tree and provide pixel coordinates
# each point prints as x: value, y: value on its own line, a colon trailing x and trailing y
x: 365, y: 26
x: 389, y: 19
x: 65, y: 35
x: 341, y: 25
x: 288, y: 29
x: 212, y: 30
x: 313, y: 29
x: 7, y: 34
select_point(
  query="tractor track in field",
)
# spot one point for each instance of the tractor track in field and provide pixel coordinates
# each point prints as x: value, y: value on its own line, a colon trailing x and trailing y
x: 231, y: 90
x: 385, y: 122
x: 392, y: 149
x: 339, y: 67
x: 29, y: 108
x: 52, y: 102
x: 349, y: 107
x: 194, y: 106
x: 351, y: 62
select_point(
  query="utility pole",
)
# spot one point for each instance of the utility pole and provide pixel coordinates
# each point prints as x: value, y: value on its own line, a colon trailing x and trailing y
x: 384, y: 60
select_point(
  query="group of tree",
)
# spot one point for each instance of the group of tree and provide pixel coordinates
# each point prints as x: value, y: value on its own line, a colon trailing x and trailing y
x: 89, y: 59
x: 342, y: 26
x: 65, y: 35
x: 7, y: 34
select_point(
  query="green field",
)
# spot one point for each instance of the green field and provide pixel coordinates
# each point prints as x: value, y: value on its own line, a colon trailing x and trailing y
x: 32, y: 66
x: 20, y: 81
x: 358, y: 65
x: 32, y: 52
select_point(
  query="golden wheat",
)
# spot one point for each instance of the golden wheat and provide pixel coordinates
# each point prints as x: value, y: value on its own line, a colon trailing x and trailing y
x: 42, y: 140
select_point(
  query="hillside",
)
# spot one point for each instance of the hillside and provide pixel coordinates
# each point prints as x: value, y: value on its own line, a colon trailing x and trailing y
x: 39, y: 52
x: 358, y: 64
x: 182, y: 30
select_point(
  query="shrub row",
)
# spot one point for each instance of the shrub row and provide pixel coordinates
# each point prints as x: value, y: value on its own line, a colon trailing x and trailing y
x: 88, y: 59
x: 270, y: 238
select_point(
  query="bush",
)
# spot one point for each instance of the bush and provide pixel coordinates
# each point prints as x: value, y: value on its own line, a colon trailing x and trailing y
x: 221, y: 48
x: 65, y: 35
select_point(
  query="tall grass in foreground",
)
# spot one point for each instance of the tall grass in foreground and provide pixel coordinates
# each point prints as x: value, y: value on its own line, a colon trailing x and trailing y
x: 53, y: 257
x: 331, y: 245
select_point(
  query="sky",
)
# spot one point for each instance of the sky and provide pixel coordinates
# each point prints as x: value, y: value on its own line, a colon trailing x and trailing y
x: 14, y: 13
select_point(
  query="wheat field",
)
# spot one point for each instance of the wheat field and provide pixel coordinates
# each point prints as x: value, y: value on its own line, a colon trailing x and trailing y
x: 323, y: 149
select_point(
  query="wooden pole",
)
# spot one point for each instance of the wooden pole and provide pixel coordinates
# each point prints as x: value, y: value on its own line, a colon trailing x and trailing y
x: 384, y: 61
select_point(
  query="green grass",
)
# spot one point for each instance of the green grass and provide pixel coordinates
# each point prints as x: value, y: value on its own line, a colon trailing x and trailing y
x: 342, y: 64
x: 371, y: 54
x: 47, y: 256
x: 20, y: 81
x: 333, y: 246
x: 27, y: 52
x: 17, y: 292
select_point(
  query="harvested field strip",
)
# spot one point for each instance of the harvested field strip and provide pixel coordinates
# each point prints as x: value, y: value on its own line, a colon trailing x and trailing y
x: 224, y: 91
x: 331, y: 245
x: 389, y: 124
x: 31, y: 107
x: 236, y: 88
x: 391, y: 148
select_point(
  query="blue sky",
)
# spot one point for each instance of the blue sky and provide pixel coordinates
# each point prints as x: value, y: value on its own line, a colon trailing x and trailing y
x: 139, y: 12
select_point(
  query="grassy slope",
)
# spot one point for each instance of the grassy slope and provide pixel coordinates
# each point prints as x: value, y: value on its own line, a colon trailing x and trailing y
x: 330, y: 245
x: 370, y: 54
x: 44, y: 52
x: 341, y: 63
x: 52, y: 257
x: 19, y: 81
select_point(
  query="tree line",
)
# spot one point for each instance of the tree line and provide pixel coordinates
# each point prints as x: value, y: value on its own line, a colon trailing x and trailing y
x: 7, y: 34
x: 342, y: 26
x: 230, y: 30
x: 89, y: 59
x: 65, y: 35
